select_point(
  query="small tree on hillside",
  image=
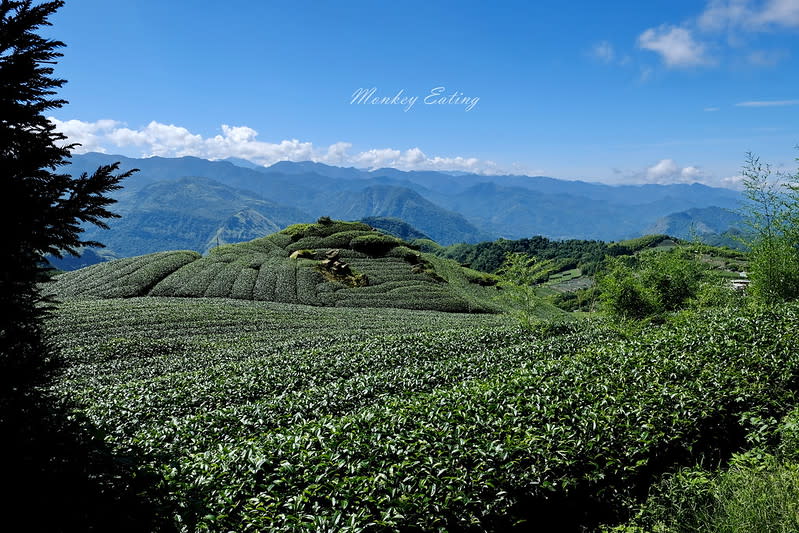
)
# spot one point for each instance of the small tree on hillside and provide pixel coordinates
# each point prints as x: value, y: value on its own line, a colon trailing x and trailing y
x: 41, y: 209
x: 623, y: 293
x: 651, y: 283
x: 771, y: 212
x: 519, y: 274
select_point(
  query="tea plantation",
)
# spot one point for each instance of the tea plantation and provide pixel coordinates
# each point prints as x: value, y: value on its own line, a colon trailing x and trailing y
x: 264, y: 416
x: 369, y: 269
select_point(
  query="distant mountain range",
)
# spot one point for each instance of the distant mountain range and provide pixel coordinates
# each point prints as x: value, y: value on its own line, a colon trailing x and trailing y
x: 192, y: 203
x: 395, y: 226
x: 697, y: 222
x: 189, y: 214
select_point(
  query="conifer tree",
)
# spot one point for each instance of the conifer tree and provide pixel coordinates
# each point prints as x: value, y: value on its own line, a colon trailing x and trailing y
x: 42, y: 207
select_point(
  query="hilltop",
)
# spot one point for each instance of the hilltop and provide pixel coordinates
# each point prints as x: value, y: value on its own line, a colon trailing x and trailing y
x: 328, y: 263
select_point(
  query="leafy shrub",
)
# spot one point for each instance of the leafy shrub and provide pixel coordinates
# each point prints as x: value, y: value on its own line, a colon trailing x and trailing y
x: 481, y: 278
x: 427, y: 245
x: 717, y: 293
x: 339, y: 239
x: 375, y: 244
x: 406, y: 254
x: 640, y: 243
x: 774, y: 270
x: 298, y: 231
x: 286, y: 284
x: 757, y: 493
x: 129, y: 277
x: 649, y: 284
x: 417, y: 421
x: 244, y: 284
x: 789, y: 436
x: 265, y: 285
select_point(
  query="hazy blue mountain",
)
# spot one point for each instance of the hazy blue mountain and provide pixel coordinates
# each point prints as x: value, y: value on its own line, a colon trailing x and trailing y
x: 395, y: 226
x: 700, y: 222
x: 521, y: 206
x: 450, y: 207
x: 454, y: 183
x: 309, y: 167
x: 87, y: 257
x: 152, y: 169
x: 245, y: 225
x: 188, y: 214
x: 244, y: 163
x: 443, y: 226
x: 517, y: 212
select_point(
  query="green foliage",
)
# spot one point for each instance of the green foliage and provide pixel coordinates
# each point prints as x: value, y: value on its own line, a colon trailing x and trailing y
x: 623, y: 292
x: 406, y: 254
x: 651, y: 283
x: 518, y: 276
x: 396, y: 227
x: 481, y: 278
x: 307, y: 418
x: 771, y: 214
x: 129, y: 277
x: 717, y: 293
x: 774, y: 270
x: 43, y: 211
x: 263, y: 269
x: 375, y: 245
x: 325, y: 229
x: 757, y: 493
x: 340, y: 239
x: 579, y: 300
x: 637, y: 245
x: 673, y: 275
x: 520, y: 269
x: 428, y: 246
x: 489, y: 256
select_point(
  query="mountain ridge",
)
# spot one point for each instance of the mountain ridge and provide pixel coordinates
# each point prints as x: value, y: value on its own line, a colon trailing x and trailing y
x: 449, y: 208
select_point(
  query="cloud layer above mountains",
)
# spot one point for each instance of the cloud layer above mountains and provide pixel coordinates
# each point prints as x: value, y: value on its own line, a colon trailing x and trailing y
x: 167, y: 140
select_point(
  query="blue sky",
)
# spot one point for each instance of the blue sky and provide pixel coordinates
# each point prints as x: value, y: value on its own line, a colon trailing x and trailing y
x: 621, y: 92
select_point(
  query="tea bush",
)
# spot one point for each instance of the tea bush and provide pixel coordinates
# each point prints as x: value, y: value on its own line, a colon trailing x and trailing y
x: 264, y: 416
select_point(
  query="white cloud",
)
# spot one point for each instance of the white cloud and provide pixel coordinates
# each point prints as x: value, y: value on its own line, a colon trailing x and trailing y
x: 665, y: 168
x: 726, y: 28
x: 781, y: 13
x: 168, y: 140
x: 690, y: 173
x: 724, y: 15
x: 158, y: 139
x: 767, y: 103
x: 745, y: 15
x: 337, y: 153
x: 732, y: 182
x: 711, y: 109
x: 89, y: 135
x: 676, y: 46
x: 668, y: 171
x: 376, y: 158
x: 604, y: 52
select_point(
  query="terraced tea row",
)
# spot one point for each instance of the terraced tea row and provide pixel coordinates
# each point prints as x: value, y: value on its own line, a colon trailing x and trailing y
x: 269, y: 416
x: 373, y: 270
